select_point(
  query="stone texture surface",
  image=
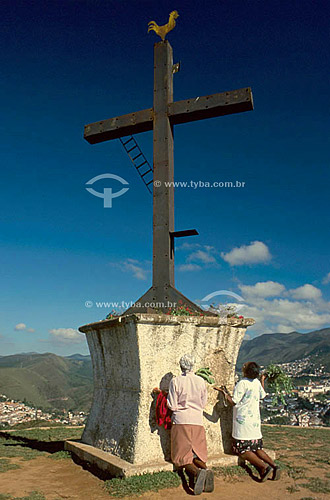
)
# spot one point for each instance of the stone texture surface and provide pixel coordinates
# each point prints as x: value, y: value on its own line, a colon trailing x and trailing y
x: 116, y: 467
x: 133, y: 354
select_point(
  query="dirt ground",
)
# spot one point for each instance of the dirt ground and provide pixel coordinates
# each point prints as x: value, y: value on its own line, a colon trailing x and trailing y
x: 64, y: 479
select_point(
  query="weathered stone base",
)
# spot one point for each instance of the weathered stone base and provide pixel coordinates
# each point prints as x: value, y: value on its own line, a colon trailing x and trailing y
x: 116, y: 467
x: 133, y: 354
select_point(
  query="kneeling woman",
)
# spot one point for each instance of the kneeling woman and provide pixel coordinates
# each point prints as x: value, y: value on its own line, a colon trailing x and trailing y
x: 186, y: 398
x: 247, y: 437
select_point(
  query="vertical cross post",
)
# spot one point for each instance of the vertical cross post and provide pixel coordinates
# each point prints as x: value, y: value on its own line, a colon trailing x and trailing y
x: 163, y: 162
x: 161, y: 119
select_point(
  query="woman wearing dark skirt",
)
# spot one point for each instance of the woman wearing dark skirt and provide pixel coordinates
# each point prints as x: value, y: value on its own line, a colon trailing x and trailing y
x: 247, y: 437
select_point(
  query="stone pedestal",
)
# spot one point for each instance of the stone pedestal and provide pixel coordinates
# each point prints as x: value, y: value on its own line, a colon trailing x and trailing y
x: 133, y: 354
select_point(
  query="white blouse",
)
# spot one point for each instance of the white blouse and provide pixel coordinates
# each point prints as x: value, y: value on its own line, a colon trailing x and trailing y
x: 246, y: 412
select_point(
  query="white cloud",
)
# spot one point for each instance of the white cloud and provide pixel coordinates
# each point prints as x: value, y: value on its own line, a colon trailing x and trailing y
x: 305, y: 292
x: 20, y: 326
x: 187, y: 246
x: 133, y: 266
x: 284, y: 315
x: 262, y: 289
x: 277, y: 310
x: 199, y: 256
x: 189, y: 267
x: 202, y: 256
x: 254, y: 253
x: 326, y: 279
x: 283, y: 329
x: 66, y: 335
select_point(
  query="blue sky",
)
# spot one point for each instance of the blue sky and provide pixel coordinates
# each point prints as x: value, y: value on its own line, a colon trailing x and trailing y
x: 66, y: 63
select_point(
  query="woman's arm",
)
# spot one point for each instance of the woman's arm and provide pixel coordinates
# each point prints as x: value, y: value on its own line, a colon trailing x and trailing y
x: 262, y: 380
x: 226, y: 395
x: 262, y: 383
x: 172, y: 399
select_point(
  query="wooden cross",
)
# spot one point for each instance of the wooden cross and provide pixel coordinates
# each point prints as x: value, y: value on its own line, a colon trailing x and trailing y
x: 161, y: 118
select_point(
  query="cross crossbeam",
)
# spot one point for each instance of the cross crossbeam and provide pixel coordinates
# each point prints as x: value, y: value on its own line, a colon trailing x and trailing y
x: 161, y: 118
x: 189, y: 110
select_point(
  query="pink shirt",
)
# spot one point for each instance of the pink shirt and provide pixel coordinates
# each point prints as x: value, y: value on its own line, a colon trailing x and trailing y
x: 187, y: 397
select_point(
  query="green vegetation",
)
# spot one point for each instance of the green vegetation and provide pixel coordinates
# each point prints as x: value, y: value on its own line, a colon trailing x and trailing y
x: 34, y: 495
x: 18, y: 444
x: 136, y: 485
x: 59, y: 455
x: 279, y: 383
x: 279, y: 420
x: 308, y: 448
x: 6, y: 465
x: 206, y: 374
x: 47, y: 381
x: 36, y: 423
x: 52, y: 434
x: 317, y: 485
x: 231, y: 473
x: 285, y: 347
x: 293, y: 489
x: 14, y: 448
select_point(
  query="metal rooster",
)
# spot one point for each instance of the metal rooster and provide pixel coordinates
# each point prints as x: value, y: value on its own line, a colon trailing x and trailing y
x: 163, y: 30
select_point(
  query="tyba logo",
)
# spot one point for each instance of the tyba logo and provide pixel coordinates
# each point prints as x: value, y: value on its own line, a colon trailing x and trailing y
x: 107, y: 194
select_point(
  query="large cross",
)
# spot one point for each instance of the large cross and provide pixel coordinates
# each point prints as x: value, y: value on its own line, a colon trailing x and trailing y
x: 161, y: 118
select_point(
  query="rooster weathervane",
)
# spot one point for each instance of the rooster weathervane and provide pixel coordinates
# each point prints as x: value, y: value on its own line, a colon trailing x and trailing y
x: 163, y: 30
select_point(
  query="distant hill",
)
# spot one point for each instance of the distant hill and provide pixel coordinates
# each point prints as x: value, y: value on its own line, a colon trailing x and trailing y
x: 285, y: 347
x: 47, y: 380
x: 79, y: 357
x: 54, y: 382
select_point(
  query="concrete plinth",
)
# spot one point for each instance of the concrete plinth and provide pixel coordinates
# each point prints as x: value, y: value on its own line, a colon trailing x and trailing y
x: 133, y: 354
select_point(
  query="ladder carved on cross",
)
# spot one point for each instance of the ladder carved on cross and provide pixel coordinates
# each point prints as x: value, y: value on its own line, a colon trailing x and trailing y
x: 161, y: 118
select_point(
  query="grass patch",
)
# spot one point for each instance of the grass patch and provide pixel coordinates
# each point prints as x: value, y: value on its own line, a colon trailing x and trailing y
x: 296, y: 472
x: 48, y: 435
x: 36, y: 423
x: 309, y: 445
x: 136, y: 485
x: 13, y: 448
x: 230, y: 473
x: 293, y: 489
x: 59, y: 455
x: 317, y: 485
x: 6, y: 465
x: 34, y: 495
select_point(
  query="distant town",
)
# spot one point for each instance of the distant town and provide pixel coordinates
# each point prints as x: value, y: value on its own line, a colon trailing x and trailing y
x: 15, y: 412
x: 309, y: 404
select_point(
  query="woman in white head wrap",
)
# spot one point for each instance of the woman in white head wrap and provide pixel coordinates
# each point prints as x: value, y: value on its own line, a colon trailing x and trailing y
x: 187, y: 398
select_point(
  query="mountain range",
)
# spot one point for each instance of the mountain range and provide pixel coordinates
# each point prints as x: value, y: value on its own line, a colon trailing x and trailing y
x: 54, y: 382
x: 285, y: 347
x: 48, y: 381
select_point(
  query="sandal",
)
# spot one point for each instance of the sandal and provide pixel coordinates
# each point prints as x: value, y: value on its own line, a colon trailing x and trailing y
x: 209, y: 481
x: 266, y: 474
x: 276, y: 473
x: 200, y: 482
